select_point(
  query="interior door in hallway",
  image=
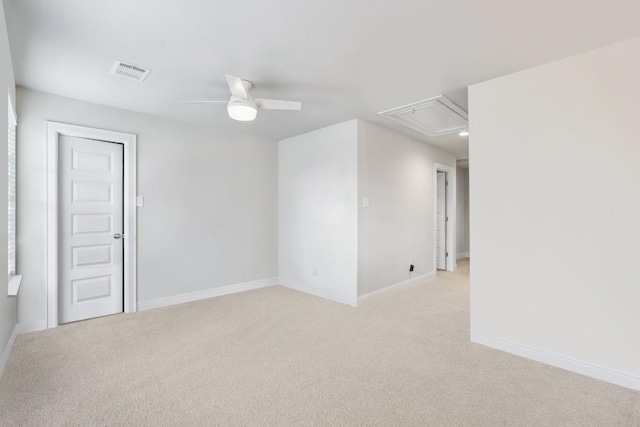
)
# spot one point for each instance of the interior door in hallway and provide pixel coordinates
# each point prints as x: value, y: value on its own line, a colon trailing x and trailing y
x: 441, y: 221
x: 91, y: 252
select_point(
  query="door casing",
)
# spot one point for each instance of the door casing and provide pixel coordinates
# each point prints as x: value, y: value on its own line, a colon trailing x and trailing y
x: 54, y: 131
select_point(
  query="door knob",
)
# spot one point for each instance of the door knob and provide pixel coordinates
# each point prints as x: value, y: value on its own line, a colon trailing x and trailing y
x: 117, y: 236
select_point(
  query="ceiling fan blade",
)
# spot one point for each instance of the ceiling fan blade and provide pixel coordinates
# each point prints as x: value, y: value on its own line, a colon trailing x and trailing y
x: 275, y: 104
x: 203, y: 102
x: 237, y: 87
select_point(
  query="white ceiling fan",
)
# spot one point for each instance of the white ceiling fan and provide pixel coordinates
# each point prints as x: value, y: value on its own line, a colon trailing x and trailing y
x: 242, y: 106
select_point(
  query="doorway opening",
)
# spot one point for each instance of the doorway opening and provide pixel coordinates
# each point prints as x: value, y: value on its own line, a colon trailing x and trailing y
x: 91, y: 223
x: 445, y: 218
x: 442, y: 251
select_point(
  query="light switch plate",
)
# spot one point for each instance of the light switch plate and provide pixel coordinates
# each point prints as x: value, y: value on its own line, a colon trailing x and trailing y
x: 365, y: 202
x: 139, y: 201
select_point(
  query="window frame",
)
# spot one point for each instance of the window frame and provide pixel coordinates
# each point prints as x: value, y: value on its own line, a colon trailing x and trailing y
x: 13, y: 278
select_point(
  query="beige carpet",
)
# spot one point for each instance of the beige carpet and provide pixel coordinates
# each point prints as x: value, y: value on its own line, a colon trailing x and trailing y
x: 279, y: 357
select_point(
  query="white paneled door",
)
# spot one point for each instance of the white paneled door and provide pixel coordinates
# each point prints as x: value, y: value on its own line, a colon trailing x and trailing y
x: 441, y: 221
x: 90, y: 218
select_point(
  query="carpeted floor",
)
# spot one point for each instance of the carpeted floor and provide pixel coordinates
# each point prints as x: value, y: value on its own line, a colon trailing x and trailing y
x: 279, y: 357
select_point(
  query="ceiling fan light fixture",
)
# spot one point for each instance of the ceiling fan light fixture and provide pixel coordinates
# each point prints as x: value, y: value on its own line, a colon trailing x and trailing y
x: 243, y: 111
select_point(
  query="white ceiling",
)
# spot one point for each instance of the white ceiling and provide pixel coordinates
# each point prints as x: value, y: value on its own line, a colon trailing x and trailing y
x: 342, y: 59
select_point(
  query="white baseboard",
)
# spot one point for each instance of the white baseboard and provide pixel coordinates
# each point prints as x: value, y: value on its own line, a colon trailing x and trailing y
x: 7, y: 350
x: 397, y: 286
x: 319, y: 292
x: 23, y: 328
x: 462, y: 255
x: 20, y: 328
x: 209, y: 293
x: 611, y: 375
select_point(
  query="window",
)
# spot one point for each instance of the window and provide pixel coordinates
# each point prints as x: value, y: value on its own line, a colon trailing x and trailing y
x: 14, y: 280
x: 12, y: 190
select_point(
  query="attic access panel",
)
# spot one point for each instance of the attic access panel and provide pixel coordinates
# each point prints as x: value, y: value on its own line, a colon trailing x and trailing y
x: 433, y: 117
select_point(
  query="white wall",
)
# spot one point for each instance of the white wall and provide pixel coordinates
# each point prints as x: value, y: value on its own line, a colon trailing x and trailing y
x: 462, y: 216
x: 556, y: 207
x: 397, y: 174
x: 210, y: 214
x: 7, y: 83
x: 318, y: 192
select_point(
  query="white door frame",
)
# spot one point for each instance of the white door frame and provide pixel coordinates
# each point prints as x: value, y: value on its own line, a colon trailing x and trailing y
x: 54, y: 131
x: 451, y: 214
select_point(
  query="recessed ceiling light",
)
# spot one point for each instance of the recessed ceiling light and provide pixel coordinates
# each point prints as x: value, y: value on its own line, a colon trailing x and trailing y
x: 464, y: 133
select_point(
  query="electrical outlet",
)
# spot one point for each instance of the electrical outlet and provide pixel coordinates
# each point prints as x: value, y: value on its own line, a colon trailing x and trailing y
x: 411, y: 267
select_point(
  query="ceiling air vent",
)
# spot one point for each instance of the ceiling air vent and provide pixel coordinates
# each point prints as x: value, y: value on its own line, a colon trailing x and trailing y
x: 433, y: 117
x: 129, y: 71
